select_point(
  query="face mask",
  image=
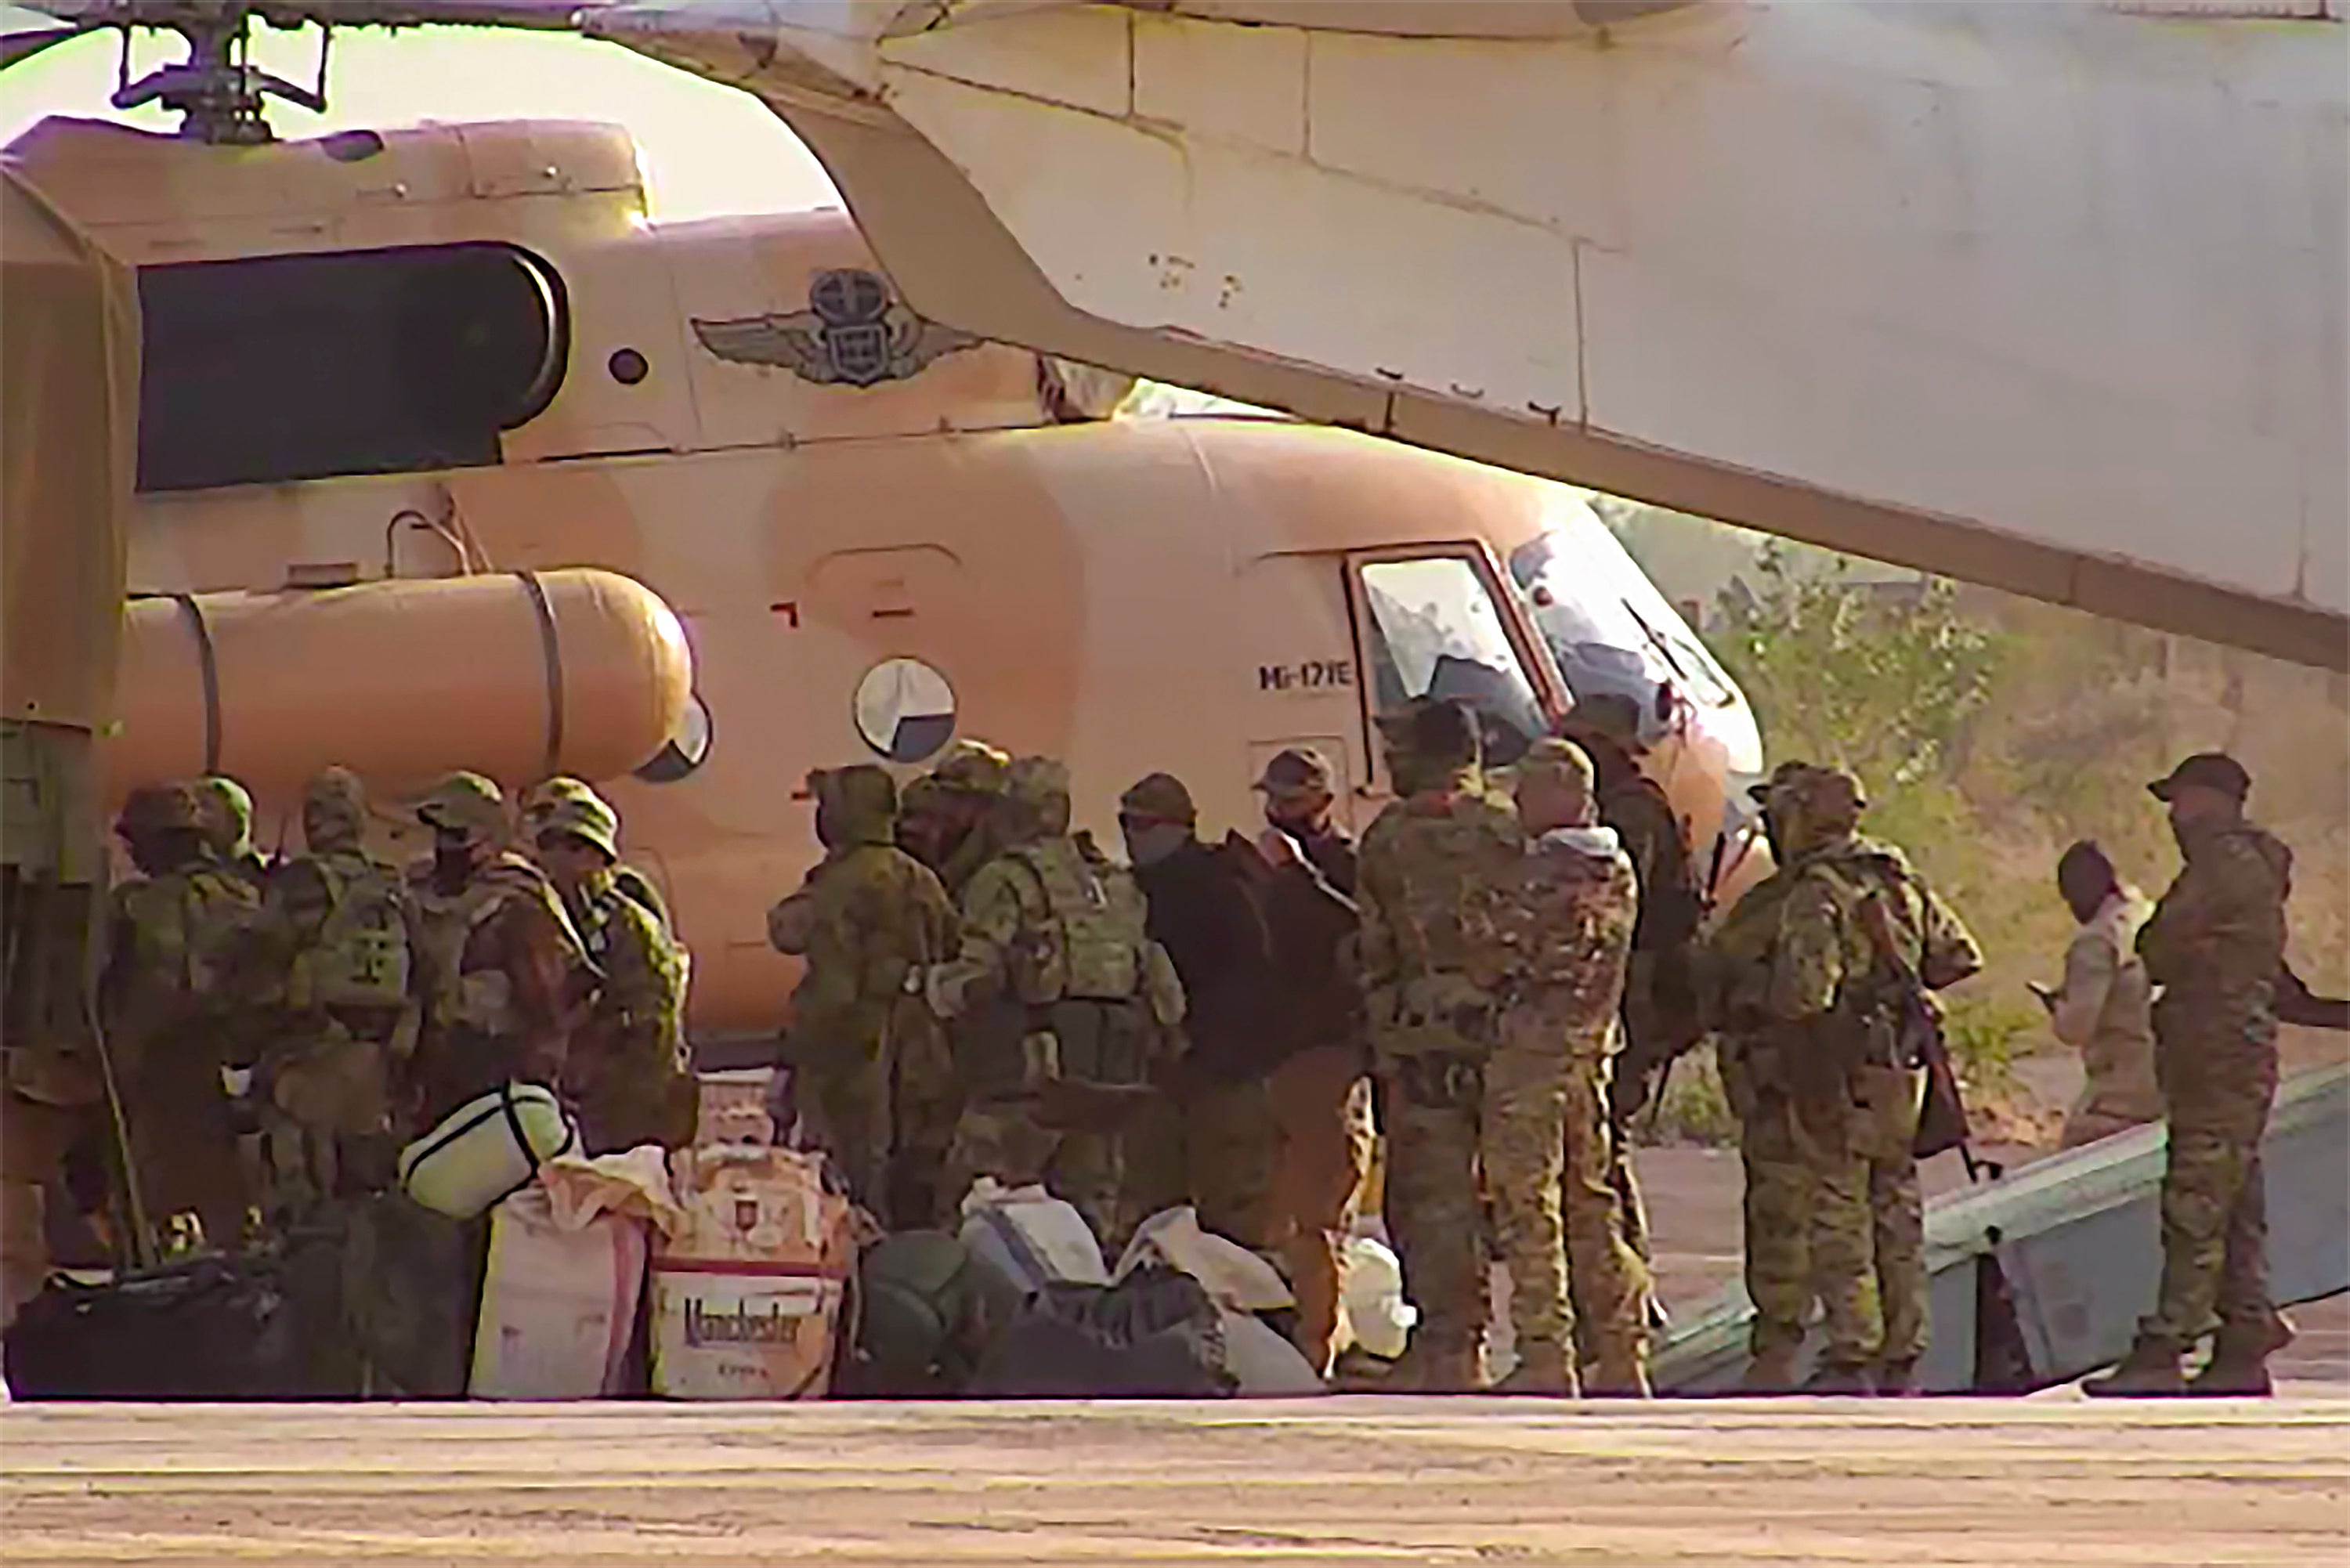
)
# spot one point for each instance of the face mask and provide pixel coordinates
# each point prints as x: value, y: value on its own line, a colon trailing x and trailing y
x: 453, y: 861
x: 1149, y: 846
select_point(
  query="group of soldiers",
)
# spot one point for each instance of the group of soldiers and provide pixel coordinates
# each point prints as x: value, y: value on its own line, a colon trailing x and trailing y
x: 988, y: 993
x: 1496, y: 978
x: 278, y: 1029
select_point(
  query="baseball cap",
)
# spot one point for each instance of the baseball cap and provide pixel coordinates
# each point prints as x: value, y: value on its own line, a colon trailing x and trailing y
x: 2205, y: 769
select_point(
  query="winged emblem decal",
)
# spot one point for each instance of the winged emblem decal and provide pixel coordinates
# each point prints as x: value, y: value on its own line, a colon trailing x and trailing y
x: 854, y: 331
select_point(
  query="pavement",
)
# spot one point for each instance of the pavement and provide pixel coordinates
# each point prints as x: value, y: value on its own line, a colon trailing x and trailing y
x: 2051, y: 1480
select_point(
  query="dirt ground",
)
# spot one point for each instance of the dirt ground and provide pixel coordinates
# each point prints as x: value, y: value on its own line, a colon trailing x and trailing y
x: 2053, y: 1480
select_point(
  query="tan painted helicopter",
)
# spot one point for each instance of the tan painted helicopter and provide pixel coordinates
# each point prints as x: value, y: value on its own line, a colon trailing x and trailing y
x: 397, y: 387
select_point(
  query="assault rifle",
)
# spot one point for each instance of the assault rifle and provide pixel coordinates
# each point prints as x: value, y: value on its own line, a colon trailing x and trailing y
x: 1916, y: 1020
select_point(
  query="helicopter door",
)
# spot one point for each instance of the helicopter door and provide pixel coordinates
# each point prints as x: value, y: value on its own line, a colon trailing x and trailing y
x: 1433, y: 622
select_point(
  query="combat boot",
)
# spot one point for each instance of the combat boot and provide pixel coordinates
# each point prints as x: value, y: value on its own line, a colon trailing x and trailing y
x: 2239, y: 1367
x: 1430, y: 1367
x: 1896, y: 1379
x: 1772, y: 1370
x: 1544, y: 1370
x: 1837, y: 1378
x: 1619, y: 1373
x: 2149, y: 1371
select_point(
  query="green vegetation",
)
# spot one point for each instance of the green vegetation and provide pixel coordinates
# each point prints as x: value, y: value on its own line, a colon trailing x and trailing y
x: 1990, y: 732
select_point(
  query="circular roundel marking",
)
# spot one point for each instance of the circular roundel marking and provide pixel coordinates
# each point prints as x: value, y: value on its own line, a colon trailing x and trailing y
x: 905, y: 709
x: 627, y: 367
x: 684, y: 751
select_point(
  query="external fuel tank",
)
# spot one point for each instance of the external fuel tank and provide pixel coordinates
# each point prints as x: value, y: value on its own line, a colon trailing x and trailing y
x: 517, y: 675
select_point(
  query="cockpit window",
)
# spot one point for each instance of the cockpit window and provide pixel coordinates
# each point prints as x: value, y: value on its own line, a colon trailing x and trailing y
x: 270, y: 368
x: 1436, y: 632
x: 1605, y: 619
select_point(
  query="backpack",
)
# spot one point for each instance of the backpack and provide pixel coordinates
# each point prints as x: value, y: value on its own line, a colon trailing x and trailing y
x: 362, y: 957
x: 1090, y: 946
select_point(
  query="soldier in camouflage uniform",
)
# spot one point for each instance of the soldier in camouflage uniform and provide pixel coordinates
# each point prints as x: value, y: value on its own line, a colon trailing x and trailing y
x: 165, y: 1002
x: 226, y: 809
x: 1565, y: 925
x: 543, y: 797
x: 501, y: 971
x: 1733, y: 974
x: 877, y: 1083
x: 1064, y: 1011
x: 1659, y: 1016
x: 1431, y: 965
x: 1858, y: 925
x: 2215, y: 944
x: 629, y: 1071
x: 947, y: 818
x: 327, y: 970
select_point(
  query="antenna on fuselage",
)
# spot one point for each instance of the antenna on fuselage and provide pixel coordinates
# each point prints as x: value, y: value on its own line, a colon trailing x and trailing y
x: 217, y: 91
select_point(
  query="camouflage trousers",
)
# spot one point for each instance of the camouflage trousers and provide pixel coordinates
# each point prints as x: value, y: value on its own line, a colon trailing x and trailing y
x: 1006, y: 1139
x: 2214, y: 1198
x: 1431, y: 1102
x: 886, y: 1116
x: 845, y: 1111
x: 1868, y: 1223
x: 1547, y: 1156
x: 1777, y: 1206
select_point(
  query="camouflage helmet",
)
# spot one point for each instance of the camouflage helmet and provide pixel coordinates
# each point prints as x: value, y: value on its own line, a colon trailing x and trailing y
x: 1039, y: 787
x: 465, y: 804
x: 334, y: 809
x: 546, y: 794
x: 225, y: 812
x: 584, y: 815
x: 972, y: 767
x: 855, y: 804
x: 1558, y: 762
x: 160, y: 809
x: 1817, y: 802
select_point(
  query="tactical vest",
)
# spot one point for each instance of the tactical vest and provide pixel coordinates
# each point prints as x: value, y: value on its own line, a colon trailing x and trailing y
x: 481, y: 1001
x: 1090, y: 943
x: 362, y: 955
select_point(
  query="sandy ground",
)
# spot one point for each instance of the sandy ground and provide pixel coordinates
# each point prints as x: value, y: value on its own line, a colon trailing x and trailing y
x: 2055, y: 1480
x: 2052, y: 1480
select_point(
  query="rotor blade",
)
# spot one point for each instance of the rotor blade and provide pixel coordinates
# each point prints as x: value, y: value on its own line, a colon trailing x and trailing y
x: 24, y: 32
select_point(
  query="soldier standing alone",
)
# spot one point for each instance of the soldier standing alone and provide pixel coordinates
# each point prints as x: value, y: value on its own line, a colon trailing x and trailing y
x: 2215, y: 944
x: 1431, y: 965
x: 1565, y: 924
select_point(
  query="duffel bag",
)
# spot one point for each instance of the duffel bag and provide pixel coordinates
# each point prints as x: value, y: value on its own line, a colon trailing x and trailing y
x: 1155, y: 1334
x: 486, y: 1150
x: 211, y: 1328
